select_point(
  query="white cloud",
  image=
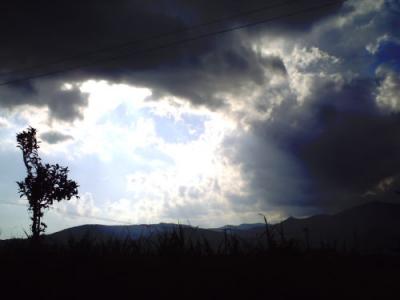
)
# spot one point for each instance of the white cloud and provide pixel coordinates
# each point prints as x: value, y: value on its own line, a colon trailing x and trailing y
x: 352, y: 12
x: 83, y: 207
x: 4, y: 123
x: 373, y: 47
x: 312, y: 58
x: 388, y: 92
x: 197, y: 184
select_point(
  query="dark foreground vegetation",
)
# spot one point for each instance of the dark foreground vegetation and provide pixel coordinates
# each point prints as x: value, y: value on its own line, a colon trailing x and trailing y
x: 172, y: 265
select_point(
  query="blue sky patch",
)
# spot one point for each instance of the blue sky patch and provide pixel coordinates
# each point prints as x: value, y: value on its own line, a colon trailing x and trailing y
x: 188, y: 129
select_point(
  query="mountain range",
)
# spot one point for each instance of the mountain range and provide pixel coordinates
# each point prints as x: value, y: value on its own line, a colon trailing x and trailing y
x: 371, y: 227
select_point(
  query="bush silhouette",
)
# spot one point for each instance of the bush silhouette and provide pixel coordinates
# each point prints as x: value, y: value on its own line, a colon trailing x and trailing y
x: 43, y: 184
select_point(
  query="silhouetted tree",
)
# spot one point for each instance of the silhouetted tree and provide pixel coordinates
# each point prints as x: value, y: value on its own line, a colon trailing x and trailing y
x: 44, y: 183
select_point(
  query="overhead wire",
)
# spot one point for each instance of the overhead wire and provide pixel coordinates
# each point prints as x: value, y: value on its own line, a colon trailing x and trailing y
x: 173, y: 44
x: 71, y: 214
x: 146, y: 39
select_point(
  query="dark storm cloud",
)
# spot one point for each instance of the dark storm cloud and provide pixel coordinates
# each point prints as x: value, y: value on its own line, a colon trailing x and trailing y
x: 40, y: 32
x: 64, y: 104
x: 55, y: 137
x: 221, y: 71
x: 356, y: 146
x: 338, y: 146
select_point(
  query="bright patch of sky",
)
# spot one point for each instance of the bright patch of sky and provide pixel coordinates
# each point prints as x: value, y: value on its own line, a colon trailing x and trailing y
x: 136, y: 161
x: 139, y: 159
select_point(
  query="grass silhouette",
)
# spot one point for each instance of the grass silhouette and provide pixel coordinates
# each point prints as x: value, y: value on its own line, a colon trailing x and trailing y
x: 181, y: 264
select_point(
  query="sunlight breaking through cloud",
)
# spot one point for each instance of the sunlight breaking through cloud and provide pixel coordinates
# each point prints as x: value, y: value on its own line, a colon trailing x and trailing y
x: 264, y: 120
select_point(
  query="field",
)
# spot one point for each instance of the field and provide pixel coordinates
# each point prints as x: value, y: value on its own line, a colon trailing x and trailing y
x: 173, y: 267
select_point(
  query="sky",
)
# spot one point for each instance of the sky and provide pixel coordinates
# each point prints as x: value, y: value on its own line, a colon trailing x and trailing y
x: 160, y: 119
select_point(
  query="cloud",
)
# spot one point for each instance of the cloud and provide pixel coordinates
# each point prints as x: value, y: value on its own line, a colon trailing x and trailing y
x: 216, y: 77
x: 329, y: 150
x: 311, y: 135
x: 64, y: 104
x: 55, y: 137
x: 388, y: 92
x: 315, y: 120
x: 374, y: 47
x: 4, y: 123
x: 323, y: 133
x: 83, y: 207
x: 203, y: 72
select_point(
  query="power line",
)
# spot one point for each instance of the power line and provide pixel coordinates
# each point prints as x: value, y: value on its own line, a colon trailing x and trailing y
x: 142, y: 40
x: 71, y: 214
x: 176, y: 43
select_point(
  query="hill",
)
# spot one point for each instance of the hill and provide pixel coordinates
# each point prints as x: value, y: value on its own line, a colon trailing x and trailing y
x: 371, y: 227
x: 368, y: 228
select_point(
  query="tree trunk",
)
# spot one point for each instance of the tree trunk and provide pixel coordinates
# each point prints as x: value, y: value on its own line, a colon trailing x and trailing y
x: 36, y: 223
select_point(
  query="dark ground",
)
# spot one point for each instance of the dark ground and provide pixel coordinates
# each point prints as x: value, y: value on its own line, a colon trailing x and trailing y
x: 85, y: 273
